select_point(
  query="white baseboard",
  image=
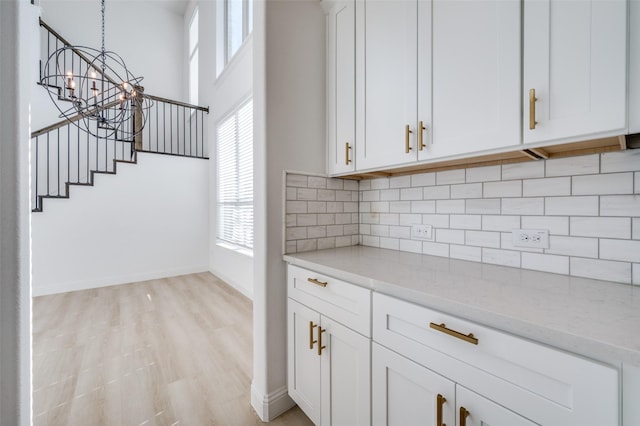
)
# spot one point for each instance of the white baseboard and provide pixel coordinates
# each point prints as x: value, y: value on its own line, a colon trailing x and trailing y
x: 232, y: 283
x: 270, y: 406
x: 57, y: 288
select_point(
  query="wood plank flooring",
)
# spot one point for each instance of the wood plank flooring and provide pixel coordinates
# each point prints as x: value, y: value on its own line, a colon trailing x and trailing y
x: 175, y: 351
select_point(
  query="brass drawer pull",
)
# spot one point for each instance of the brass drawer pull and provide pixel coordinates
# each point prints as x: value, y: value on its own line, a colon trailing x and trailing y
x: 407, y: 144
x: 317, y: 282
x: 421, y: 130
x: 320, y: 345
x: 463, y: 416
x: 311, y: 340
x: 440, y: 402
x: 347, y: 147
x: 443, y: 328
x: 532, y: 109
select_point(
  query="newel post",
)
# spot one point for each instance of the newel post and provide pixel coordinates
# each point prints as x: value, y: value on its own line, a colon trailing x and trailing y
x: 138, y: 119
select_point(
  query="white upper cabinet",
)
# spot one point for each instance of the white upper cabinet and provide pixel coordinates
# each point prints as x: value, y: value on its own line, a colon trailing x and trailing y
x: 575, y: 59
x: 341, y: 86
x: 634, y: 67
x: 387, y: 52
x: 476, y: 76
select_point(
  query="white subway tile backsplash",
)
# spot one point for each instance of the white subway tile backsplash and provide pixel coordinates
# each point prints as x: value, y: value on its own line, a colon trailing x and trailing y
x: 459, y: 221
x: 509, y: 188
x: 586, y: 203
x: 623, y: 161
x: 449, y: 206
x: 613, y: 183
x: 500, y: 223
x: 601, y: 269
x: 483, y: 206
x: 556, y: 225
x: 573, y: 246
x: 604, y: 227
x: 620, y: 205
x: 400, y: 206
x: 467, y: 190
x: 423, y: 179
x: 483, y: 238
x: 450, y: 176
x: 317, y: 182
x: 501, y: 257
x: 545, y: 262
x: 423, y: 206
x: 522, y: 206
x: 528, y: 170
x: 483, y: 174
x: 582, y: 165
x: 546, y: 187
x: 400, y: 181
x: 571, y: 206
x: 411, y: 194
x: 435, y: 249
x: 436, y: 192
x: 436, y: 220
x: 390, y: 195
x: 624, y: 250
x: 473, y: 254
x: 451, y: 236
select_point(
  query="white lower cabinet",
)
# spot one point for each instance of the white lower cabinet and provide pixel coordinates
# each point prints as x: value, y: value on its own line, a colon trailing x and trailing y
x: 329, y: 364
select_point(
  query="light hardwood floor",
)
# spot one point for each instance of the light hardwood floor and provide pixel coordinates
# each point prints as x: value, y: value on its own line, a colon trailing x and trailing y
x: 174, y: 351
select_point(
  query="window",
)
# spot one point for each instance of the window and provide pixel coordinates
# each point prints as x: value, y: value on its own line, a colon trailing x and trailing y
x: 193, y: 59
x: 235, y: 177
x: 236, y: 24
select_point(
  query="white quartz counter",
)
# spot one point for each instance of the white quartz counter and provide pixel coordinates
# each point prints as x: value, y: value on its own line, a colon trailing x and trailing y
x: 594, y: 318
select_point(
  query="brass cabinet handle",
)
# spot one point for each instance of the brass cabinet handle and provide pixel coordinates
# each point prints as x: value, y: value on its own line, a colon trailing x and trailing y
x: 317, y: 282
x: 407, y: 146
x: 421, y: 129
x: 463, y: 416
x: 443, y: 328
x: 320, y: 345
x: 441, y: 401
x: 532, y: 109
x: 311, y: 327
x: 347, y: 160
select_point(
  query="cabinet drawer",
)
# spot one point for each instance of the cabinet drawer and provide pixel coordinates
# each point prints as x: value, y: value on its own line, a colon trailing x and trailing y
x: 343, y: 302
x: 546, y: 385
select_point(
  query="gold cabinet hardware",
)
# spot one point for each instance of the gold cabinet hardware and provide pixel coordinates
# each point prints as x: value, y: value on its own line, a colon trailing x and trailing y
x: 532, y: 109
x: 320, y: 345
x: 347, y: 147
x: 463, y: 416
x: 443, y: 328
x: 317, y: 282
x: 311, y: 340
x: 421, y: 130
x: 407, y: 145
x: 441, y: 401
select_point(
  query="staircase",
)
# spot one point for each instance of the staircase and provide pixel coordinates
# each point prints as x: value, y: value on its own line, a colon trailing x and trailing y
x: 64, y: 156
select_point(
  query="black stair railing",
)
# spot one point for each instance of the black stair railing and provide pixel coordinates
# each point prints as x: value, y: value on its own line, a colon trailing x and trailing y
x: 63, y: 155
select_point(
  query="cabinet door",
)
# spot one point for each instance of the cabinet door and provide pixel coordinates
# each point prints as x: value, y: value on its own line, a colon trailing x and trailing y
x: 479, y: 411
x: 387, y: 66
x: 346, y: 376
x: 575, y: 56
x: 476, y: 76
x: 341, y: 87
x: 406, y: 394
x: 303, y: 360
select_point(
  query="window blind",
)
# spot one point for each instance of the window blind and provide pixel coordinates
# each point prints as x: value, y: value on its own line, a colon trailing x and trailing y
x: 235, y: 177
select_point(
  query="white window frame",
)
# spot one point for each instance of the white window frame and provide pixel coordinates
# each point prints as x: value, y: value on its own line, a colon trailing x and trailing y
x: 224, y: 55
x: 195, y: 51
x: 243, y: 243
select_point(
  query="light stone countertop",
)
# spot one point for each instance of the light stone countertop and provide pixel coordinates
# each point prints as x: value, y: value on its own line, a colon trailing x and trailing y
x: 594, y: 318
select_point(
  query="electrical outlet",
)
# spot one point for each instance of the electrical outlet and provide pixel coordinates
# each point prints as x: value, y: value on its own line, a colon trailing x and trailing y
x: 531, y: 238
x: 422, y: 232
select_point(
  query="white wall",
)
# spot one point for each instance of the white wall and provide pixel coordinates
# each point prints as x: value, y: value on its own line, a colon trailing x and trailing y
x: 289, y: 126
x: 150, y: 220
x: 223, y: 95
x: 15, y: 298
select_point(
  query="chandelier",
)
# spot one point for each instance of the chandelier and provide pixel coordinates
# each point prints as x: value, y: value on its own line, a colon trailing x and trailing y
x: 94, y: 90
